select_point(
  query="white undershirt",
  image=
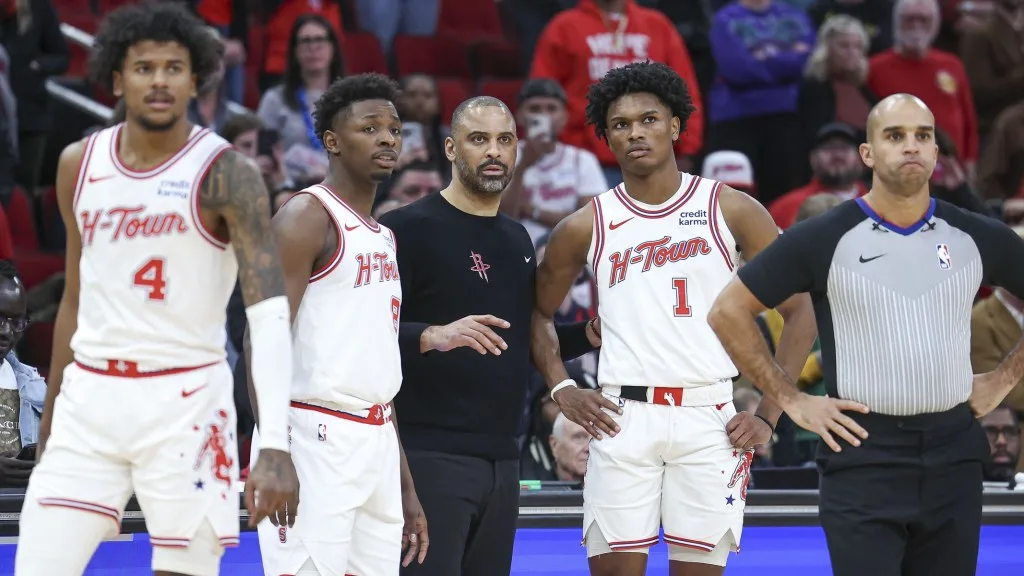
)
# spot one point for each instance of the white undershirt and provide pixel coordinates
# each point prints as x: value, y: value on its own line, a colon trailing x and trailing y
x: 7, y: 378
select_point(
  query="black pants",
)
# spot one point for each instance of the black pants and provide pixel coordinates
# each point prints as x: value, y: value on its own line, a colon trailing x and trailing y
x: 472, y: 507
x: 908, y: 501
x: 773, y: 145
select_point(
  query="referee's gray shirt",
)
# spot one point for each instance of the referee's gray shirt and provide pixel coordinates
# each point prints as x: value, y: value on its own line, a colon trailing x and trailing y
x: 893, y: 305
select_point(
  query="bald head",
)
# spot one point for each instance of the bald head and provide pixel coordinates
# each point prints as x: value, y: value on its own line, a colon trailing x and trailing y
x: 476, y: 103
x: 885, y: 115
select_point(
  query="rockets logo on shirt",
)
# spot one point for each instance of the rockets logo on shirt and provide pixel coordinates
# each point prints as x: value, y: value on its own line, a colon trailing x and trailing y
x: 654, y: 253
x: 130, y: 222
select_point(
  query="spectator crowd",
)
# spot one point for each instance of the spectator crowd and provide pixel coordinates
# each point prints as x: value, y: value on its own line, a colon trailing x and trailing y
x: 783, y: 88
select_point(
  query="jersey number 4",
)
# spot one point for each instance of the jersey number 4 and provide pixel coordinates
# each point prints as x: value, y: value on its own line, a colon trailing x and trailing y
x: 150, y: 276
x: 682, y: 306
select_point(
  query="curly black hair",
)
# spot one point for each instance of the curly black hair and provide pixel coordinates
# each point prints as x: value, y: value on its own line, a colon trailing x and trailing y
x: 345, y: 92
x: 157, y: 22
x: 647, y: 77
x: 9, y: 270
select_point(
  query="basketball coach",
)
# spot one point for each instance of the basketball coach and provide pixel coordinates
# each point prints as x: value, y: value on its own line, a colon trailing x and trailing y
x: 892, y: 276
x: 468, y: 292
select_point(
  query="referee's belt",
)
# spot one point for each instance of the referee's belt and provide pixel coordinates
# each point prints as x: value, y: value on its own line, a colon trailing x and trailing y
x: 711, y: 394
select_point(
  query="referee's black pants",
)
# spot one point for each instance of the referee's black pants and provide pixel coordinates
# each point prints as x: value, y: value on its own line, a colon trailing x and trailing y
x: 907, y: 502
x: 472, y: 509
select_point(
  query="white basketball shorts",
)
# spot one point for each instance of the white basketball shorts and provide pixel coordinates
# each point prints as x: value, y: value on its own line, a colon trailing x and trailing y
x: 167, y: 436
x: 671, y: 467
x: 350, y: 494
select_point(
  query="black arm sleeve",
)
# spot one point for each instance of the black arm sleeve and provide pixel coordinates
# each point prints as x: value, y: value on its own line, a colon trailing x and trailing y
x: 783, y: 268
x: 572, y: 340
x: 409, y: 333
x: 1002, y: 254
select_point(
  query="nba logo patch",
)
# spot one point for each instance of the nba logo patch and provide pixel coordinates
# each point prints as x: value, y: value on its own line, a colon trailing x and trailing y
x: 321, y: 432
x: 942, y: 251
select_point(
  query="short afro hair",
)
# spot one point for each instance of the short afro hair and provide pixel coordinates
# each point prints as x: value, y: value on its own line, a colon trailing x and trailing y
x: 345, y: 92
x: 157, y: 22
x: 9, y: 271
x: 640, y: 77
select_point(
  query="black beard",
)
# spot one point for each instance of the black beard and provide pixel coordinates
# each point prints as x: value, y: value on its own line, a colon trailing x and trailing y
x: 481, y: 183
x: 150, y: 126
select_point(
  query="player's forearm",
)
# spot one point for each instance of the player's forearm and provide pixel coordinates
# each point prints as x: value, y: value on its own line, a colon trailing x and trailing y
x: 795, y: 342
x: 1013, y: 366
x: 270, y: 362
x: 739, y: 335
x: 407, y: 483
x: 64, y: 327
x: 249, y: 386
x: 544, y: 349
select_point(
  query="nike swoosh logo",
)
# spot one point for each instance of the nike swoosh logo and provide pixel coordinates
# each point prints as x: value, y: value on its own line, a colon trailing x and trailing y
x: 614, y: 225
x: 93, y: 178
x: 187, y: 393
x: 350, y: 228
x: 864, y: 260
x: 527, y: 259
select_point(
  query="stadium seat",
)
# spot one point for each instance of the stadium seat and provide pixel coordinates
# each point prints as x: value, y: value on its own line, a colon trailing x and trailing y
x: 451, y: 93
x: 79, y: 55
x: 35, y: 347
x: 69, y: 7
x: 35, y: 267
x: 363, y: 54
x: 106, y: 6
x: 505, y: 90
x: 469, y: 20
x: 435, y: 56
x: 497, y: 59
x: 23, y: 228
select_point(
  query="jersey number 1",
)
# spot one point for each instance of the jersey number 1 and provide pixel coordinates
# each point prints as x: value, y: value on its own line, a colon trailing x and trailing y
x: 682, y: 308
x: 151, y: 277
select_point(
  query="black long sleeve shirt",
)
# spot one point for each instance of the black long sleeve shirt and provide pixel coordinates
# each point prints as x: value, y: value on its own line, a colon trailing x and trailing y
x: 453, y: 265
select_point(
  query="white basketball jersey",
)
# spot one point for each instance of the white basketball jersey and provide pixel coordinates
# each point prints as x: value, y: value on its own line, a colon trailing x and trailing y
x: 658, y: 271
x: 346, y: 330
x: 154, y: 283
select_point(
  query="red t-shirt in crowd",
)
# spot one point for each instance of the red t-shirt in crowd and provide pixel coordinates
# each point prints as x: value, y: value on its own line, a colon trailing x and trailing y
x: 581, y: 44
x: 215, y: 12
x: 279, y: 28
x: 940, y: 81
x: 785, y: 208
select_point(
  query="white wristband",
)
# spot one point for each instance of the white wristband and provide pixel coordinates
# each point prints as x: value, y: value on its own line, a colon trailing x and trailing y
x: 271, y: 366
x: 563, y: 384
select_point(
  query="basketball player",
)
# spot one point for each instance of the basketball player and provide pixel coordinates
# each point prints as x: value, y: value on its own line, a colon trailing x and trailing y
x: 662, y: 245
x: 162, y: 217
x: 342, y: 282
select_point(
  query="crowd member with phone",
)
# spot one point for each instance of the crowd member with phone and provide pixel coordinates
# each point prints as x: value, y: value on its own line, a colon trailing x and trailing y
x: 423, y: 129
x: 552, y: 179
x: 22, y: 389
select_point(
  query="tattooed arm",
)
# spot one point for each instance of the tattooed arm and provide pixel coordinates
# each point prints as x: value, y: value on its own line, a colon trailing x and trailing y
x: 233, y: 191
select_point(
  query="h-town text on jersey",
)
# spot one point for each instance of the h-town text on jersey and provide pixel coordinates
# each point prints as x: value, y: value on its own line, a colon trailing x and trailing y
x: 130, y: 222
x: 375, y: 262
x: 654, y: 253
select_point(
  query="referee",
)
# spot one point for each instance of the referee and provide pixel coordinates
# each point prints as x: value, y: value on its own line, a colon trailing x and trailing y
x: 892, y: 276
x: 468, y: 294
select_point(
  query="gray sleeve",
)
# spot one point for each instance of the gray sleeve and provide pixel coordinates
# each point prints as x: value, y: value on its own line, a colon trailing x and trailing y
x: 270, y: 108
